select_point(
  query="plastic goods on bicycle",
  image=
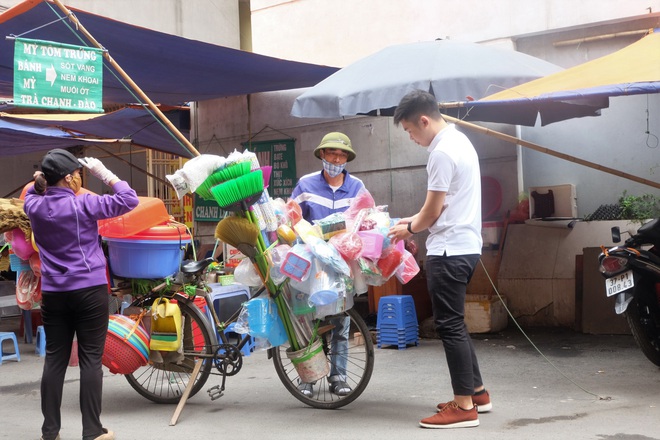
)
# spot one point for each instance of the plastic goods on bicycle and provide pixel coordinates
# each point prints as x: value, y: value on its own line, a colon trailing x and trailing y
x: 126, y: 345
x: 149, y: 212
x: 153, y: 253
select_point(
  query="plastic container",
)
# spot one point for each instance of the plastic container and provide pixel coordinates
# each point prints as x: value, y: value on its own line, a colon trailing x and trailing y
x: 311, y: 363
x: 490, y: 233
x: 325, y: 302
x: 372, y: 243
x: 126, y: 345
x: 153, y: 253
x: 149, y: 212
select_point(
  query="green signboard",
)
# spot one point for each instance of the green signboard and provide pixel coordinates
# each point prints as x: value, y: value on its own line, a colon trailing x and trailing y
x: 281, y: 155
x: 58, y: 76
x: 207, y: 210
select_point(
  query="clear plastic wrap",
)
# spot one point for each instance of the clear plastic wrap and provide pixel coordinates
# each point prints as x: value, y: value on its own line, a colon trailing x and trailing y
x: 408, y: 268
x: 328, y: 255
x: 260, y: 317
x: 348, y: 244
x: 246, y: 273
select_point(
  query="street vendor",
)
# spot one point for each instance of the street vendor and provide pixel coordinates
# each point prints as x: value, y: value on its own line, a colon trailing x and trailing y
x: 73, y: 280
x: 319, y: 195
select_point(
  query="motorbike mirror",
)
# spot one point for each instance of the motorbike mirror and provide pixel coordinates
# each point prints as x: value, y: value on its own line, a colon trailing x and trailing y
x: 616, y: 234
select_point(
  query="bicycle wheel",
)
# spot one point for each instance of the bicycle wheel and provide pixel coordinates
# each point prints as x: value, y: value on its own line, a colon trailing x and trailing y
x: 164, y: 382
x: 360, y: 364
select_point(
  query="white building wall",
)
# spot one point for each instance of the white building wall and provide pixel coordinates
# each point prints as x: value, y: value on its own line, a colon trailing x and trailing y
x: 339, y: 32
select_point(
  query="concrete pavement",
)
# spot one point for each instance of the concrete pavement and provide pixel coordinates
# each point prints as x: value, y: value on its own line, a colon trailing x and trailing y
x: 615, y: 395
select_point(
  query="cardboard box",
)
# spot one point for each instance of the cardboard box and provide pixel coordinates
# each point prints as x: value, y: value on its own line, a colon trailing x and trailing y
x: 485, y: 314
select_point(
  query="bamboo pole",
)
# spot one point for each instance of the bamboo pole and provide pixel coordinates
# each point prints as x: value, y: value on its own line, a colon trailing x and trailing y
x: 536, y: 147
x: 128, y: 79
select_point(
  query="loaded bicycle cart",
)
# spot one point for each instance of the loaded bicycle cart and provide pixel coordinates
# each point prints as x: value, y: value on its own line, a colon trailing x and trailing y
x: 168, y: 340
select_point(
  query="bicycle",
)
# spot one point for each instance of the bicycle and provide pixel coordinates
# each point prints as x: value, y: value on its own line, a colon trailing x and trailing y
x: 165, y: 380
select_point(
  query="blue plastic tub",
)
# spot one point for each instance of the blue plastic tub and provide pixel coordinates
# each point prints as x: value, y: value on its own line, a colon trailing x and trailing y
x: 145, y: 258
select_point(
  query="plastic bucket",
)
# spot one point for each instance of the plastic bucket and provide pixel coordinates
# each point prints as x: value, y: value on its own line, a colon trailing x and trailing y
x: 311, y: 362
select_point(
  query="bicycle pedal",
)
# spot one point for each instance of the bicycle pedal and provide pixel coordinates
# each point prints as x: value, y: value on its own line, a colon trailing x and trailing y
x: 215, y: 392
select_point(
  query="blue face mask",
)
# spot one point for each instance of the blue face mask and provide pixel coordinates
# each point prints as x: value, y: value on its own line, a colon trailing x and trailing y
x: 332, y: 169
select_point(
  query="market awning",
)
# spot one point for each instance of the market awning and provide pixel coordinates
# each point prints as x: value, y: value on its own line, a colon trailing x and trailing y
x: 576, y: 92
x: 169, y: 69
x: 21, y: 134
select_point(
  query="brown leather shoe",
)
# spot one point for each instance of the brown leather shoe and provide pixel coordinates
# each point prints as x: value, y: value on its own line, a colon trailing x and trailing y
x: 482, y: 401
x: 452, y: 416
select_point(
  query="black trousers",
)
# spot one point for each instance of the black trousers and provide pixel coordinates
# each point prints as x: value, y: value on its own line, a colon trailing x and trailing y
x: 447, y: 280
x: 83, y: 313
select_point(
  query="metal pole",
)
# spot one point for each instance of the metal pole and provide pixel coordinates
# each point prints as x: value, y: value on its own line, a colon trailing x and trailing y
x: 535, y: 147
x: 135, y: 87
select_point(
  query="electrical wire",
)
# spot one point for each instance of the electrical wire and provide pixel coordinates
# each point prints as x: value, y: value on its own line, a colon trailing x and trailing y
x: 534, y: 345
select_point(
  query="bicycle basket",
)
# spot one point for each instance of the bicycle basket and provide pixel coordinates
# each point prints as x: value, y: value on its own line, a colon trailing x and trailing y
x: 126, y: 345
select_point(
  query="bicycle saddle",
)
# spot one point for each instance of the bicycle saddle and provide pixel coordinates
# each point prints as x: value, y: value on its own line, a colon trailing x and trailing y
x: 196, y: 266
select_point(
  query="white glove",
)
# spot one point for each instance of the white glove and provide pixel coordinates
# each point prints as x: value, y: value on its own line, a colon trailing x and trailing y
x: 97, y: 169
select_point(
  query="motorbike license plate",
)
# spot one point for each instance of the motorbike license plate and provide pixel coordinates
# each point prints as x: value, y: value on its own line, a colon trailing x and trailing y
x: 619, y: 283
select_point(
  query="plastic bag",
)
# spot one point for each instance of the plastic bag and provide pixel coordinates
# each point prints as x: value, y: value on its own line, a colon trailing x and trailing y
x: 194, y: 172
x: 277, y: 255
x: 363, y: 200
x: 245, y: 273
x: 263, y: 321
x: 328, y: 255
x: 359, y: 282
x: 348, y: 244
x: 389, y: 262
x: 26, y: 289
x: 20, y: 244
x: 293, y: 211
x: 408, y: 268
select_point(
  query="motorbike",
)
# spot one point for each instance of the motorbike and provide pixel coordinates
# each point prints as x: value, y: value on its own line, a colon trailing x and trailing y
x: 632, y: 273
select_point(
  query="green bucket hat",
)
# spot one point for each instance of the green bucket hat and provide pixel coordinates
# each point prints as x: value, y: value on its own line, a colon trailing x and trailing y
x: 338, y: 141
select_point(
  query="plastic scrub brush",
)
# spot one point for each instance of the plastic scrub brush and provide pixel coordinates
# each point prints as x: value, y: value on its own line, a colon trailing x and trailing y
x: 240, y: 233
x: 222, y: 175
x: 239, y: 193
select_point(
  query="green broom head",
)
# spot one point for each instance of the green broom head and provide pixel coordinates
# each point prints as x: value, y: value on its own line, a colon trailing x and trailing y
x: 222, y: 175
x: 238, y: 232
x: 232, y: 193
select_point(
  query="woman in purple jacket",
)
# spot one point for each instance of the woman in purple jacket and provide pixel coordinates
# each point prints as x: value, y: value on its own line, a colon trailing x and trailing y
x: 73, y: 280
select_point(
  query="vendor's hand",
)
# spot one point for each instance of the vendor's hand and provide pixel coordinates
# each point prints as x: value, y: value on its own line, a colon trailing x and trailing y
x: 97, y: 169
x: 37, y: 174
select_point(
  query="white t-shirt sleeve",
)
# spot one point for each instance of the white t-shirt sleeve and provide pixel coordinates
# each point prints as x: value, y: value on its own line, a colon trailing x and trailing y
x: 440, y: 170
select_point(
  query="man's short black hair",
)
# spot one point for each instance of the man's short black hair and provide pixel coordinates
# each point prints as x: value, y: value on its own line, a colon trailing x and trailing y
x: 414, y: 105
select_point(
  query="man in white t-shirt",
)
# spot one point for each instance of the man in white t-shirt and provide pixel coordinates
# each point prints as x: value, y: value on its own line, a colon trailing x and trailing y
x: 452, y: 215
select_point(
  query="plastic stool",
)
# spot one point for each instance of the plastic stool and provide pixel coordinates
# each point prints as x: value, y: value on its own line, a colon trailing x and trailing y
x: 40, y: 341
x: 10, y: 336
x: 233, y: 336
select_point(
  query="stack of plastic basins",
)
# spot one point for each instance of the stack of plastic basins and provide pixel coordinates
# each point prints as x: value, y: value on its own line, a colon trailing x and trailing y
x: 397, y: 321
x: 143, y: 243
